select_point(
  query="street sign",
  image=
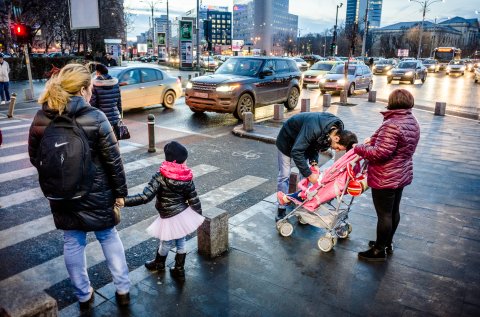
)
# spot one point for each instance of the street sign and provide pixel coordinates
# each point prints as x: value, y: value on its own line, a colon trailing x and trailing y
x: 84, y: 14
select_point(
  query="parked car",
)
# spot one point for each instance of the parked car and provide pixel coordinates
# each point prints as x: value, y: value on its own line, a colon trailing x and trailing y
x: 382, y: 66
x: 408, y: 70
x: 146, y: 85
x: 243, y: 83
x: 476, y: 75
x: 432, y: 65
x: 317, y: 72
x: 359, y: 77
x: 302, y: 65
x: 456, y: 66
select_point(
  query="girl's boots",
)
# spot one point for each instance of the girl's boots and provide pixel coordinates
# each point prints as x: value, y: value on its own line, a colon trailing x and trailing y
x: 178, y: 271
x: 158, y: 264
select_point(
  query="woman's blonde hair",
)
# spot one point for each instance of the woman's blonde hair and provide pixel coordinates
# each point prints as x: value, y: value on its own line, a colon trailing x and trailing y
x: 63, y: 85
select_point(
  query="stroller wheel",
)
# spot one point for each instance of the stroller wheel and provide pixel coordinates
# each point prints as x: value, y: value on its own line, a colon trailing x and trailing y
x: 326, y: 243
x: 349, y: 228
x: 286, y: 229
x: 301, y: 220
x: 343, y: 230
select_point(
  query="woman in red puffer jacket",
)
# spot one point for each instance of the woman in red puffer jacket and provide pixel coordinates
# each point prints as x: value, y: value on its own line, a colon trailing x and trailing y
x: 389, y: 154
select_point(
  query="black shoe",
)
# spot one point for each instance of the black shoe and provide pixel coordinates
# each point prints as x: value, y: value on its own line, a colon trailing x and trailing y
x: 373, y: 255
x: 178, y: 271
x: 157, y: 264
x: 123, y: 299
x: 281, y: 213
x: 389, y: 248
x: 84, y: 306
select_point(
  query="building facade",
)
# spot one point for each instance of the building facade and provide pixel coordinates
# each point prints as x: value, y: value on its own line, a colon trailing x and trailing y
x: 356, y: 10
x: 264, y: 25
x: 221, y: 23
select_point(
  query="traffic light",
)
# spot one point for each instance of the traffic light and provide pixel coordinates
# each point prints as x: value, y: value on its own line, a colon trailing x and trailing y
x: 22, y: 33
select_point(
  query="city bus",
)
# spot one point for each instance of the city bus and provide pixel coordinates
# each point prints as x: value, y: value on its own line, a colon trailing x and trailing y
x: 445, y: 54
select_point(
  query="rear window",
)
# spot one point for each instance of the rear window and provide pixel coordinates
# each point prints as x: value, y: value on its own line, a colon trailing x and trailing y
x: 293, y: 66
x: 322, y: 66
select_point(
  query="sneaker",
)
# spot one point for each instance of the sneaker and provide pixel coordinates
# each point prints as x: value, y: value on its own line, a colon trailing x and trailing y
x: 3, y: 102
x: 84, y: 306
x: 373, y: 255
x: 389, y: 248
x: 122, y: 299
x: 282, y: 198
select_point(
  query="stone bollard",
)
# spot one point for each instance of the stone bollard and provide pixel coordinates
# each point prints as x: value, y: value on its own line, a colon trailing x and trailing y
x: 180, y: 78
x: 28, y: 94
x: 189, y: 76
x: 151, y: 133
x: 327, y: 100
x: 248, y: 121
x: 11, y: 105
x: 343, y: 96
x: 305, y: 105
x: 278, y: 113
x: 440, y: 108
x: 372, y: 96
x: 212, y: 235
x: 293, y: 182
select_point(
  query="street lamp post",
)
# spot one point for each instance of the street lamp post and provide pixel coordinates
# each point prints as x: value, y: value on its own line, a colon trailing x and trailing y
x: 151, y: 4
x: 334, y: 40
x: 425, y: 4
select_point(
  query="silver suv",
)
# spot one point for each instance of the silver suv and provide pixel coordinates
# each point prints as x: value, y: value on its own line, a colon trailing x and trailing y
x: 359, y: 77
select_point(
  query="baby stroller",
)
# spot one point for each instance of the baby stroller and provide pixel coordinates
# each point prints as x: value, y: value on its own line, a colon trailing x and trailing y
x: 328, y: 202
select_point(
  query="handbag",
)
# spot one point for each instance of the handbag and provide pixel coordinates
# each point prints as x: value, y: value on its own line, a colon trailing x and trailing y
x: 123, y: 132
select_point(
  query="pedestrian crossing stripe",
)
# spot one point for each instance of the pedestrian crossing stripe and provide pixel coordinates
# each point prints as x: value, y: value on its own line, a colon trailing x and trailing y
x: 20, y: 126
x: 51, y: 272
x: 9, y: 121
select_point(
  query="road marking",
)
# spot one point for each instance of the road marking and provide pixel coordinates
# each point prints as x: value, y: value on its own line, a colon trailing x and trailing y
x: 7, y: 145
x: 5, y: 135
x: 34, y: 228
x: 14, y: 157
x: 53, y: 271
x: 9, y: 121
x: 16, y: 127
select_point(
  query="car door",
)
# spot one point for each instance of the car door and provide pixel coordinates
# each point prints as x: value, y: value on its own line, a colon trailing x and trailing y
x: 367, y: 74
x: 358, y: 78
x: 151, y: 86
x: 132, y: 94
x: 283, y: 79
x: 265, y: 87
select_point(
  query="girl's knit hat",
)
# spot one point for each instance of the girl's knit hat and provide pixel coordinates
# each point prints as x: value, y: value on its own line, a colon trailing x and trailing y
x: 175, y: 152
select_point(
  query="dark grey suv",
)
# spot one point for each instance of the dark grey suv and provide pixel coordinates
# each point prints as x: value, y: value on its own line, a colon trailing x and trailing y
x: 243, y: 83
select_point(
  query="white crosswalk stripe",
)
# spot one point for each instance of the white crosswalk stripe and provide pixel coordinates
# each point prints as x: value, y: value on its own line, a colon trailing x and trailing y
x: 16, y: 127
x: 9, y: 121
x: 13, y: 144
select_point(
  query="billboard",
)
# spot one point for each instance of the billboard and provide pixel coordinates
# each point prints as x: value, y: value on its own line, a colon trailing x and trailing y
x: 142, y: 48
x: 237, y: 45
x: 161, y: 38
x: 186, y: 30
x: 186, y: 49
x: 402, y: 53
x: 84, y: 14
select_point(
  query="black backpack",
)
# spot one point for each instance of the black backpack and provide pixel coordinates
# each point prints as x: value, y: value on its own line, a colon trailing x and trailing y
x: 64, y: 160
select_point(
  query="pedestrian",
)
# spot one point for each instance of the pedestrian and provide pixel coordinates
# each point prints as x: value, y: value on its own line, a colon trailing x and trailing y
x: 4, y: 80
x: 389, y: 154
x: 109, y: 61
x: 371, y: 62
x: 67, y: 93
x: 178, y: 206
x: 301, y: 138
x: 106, y: 96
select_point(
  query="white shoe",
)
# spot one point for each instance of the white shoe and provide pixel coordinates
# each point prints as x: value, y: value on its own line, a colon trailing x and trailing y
x: 3, y: 102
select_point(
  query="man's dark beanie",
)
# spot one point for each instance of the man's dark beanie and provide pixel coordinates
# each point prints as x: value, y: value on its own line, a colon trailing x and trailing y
x: 174, y: 151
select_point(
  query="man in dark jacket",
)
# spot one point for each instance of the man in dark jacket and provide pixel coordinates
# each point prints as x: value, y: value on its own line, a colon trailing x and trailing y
x: 106, y: 96
x: 109, y: 61
x: 301, y: 138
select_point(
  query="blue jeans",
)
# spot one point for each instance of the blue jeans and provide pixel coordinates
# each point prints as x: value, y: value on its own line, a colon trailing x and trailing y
x: 74, y: 245
x: 284, y: 170
x: 165, y: 246
x: 4, y: 91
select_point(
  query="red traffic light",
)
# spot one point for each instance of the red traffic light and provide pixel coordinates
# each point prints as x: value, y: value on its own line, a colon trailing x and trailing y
x: 20, y: 30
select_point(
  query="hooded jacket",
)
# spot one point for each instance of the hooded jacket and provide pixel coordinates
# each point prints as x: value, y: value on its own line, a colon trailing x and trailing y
x: 304, y: 135
x: 96, y: 210
x: 174, y: 188
x: 106, y: 97
x: 4, y: 70
x: 391, y: 148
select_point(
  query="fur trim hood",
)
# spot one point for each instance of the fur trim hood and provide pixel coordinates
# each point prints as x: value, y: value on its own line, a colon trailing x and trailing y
x: 105, y: 80
x: 176, y: 171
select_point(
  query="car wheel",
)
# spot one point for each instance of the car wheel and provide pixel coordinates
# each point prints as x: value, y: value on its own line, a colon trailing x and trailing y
x: 424, y: 78
x: 476, y: 80
x: 463, y: 74
x: 245, y: 104
x: 412, y: 81
x: 351, y: 89
x: 389, y: 81
x: 292, y: 99
x: 169, y: 99
x: 370, y: 86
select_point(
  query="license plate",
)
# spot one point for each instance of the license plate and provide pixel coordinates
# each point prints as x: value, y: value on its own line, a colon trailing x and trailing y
x: 397, y: 77
x: 200, y: 94
x: 330, y: 85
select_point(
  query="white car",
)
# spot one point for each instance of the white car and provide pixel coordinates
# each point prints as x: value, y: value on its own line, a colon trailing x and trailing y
x: 456, y: 66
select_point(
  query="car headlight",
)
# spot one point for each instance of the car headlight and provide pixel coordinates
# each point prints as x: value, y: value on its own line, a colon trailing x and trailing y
x: 323, y: 80
x: 320, y: 76
x: 389, y: 72
x: 388, y: 67
x: 341, y: 81
x: 431, y: 66
x: 189, y: 85
x: 462, y: 68
x: 448, y: 67
x: 373, y: 67
x: 226, y: 88
x: 408, y: 73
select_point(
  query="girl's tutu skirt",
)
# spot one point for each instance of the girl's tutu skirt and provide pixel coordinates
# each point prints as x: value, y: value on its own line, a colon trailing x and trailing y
x: 175, y: 227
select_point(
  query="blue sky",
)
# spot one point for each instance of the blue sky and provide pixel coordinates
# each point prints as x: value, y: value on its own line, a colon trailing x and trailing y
x: 315, y: 15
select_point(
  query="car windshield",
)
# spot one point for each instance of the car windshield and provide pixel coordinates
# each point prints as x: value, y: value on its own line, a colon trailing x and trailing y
x: 339, y: 69
x: 456, y: 63
x: 385, y: 61
x: 407, y: 65
x: 240, y: 66
x: 299, y: 60
x: 428, y: 62
x: 322, y: 66
x: 114, y: 72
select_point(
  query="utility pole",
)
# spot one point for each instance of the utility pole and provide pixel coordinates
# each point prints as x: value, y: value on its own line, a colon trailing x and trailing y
x: 167, y: 42
x: 334, y: 40
x: 198, y: 35
x: 365, y: 30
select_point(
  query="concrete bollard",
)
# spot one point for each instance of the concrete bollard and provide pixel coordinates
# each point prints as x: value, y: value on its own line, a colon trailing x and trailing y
x: 440, y: 108
x: 151, y: 133
x: 28, y: 94
x: 180, y: 78
x: 293, y: 182
x: 278, y: 112
x: 327, y: 100
x: 372, y: 96
x: 11, y: 105
x: 189, y: 76
x: 343, y: 96
x: 305, y: 105
x: 212, y: 235
x: 248, y: 121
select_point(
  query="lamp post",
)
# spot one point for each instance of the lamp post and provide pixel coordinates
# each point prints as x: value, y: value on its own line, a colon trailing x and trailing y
x: 334, y: 40
x: 151, y: 4
x: 425, y: 4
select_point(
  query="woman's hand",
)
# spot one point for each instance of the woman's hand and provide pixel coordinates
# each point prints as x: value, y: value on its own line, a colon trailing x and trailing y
x: 120, y: 202
x: 313, y: 178
x: 367, y: 141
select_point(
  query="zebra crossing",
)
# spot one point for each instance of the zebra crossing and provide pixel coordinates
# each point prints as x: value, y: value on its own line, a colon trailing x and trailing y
x: 15, y: 166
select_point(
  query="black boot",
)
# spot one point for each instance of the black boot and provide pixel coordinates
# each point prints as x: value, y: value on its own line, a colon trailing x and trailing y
x: 373, y: 255
x: 178, y: 272
x: 281, y: 212
x: 389, y: 247
x: 158, y: 264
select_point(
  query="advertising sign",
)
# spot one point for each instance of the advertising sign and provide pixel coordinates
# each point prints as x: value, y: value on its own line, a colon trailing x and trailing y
x: 142, y: 48
x: 114, y: 48
x: 237, y: 45
x: 186, y: 49
x: 402, y: 53
x: 161, y: 38
x: 186, y: 30
x: 84, y: 14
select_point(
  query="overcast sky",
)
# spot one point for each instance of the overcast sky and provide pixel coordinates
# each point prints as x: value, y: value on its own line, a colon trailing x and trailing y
x: 314, y: 16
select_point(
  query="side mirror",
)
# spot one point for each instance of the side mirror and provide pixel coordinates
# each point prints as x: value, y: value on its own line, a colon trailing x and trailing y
x: 267, y: 72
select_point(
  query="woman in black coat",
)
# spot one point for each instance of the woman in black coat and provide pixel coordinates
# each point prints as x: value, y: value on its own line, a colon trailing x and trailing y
x: 67, y: 93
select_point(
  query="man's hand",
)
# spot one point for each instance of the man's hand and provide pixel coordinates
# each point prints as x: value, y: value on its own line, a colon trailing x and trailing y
x: 120, y: 202
x: 313, y: 178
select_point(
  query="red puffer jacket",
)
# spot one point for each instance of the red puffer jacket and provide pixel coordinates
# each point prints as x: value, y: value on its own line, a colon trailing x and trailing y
x: 391, y: 148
